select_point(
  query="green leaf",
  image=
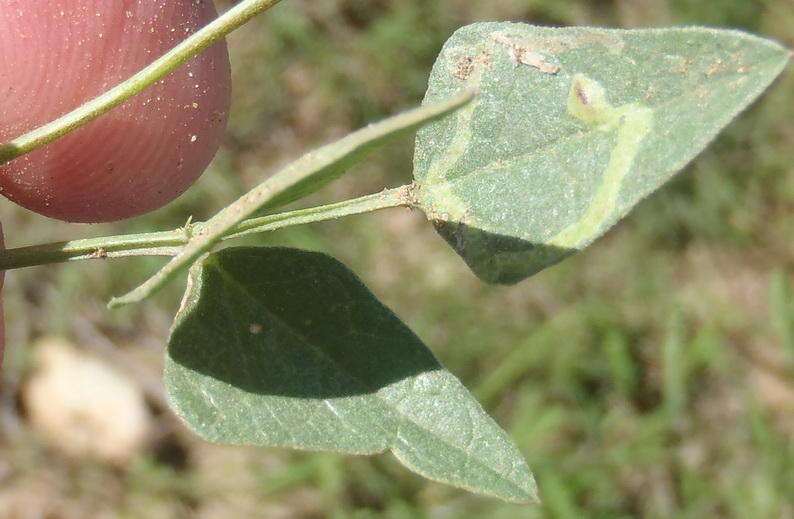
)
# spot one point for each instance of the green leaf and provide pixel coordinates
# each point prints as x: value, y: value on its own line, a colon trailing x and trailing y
x: 280, y: 347
x: 307, y: 174
x: 571, y: 129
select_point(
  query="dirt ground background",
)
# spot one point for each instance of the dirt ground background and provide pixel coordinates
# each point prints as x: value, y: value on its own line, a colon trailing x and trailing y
x: 650, y: 376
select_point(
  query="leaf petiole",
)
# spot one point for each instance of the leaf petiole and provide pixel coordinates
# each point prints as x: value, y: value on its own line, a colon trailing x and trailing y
x: 311, y: 172
x: 170, y: 243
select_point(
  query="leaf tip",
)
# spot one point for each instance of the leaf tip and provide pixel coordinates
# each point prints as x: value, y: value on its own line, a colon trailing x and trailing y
x: 134, y: 296
x: 117, y: 302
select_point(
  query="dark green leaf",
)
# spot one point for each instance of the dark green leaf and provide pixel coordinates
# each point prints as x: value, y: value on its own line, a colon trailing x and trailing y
x: 280, y: 347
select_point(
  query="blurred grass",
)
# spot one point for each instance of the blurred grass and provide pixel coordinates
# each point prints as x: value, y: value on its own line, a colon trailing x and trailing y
x: 651, y: 376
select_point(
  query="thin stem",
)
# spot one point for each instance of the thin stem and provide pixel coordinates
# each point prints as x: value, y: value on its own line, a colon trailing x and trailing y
x: 306, y: 175
x: 170, y: 243
x: 397, y: 197
x: 161, y: 67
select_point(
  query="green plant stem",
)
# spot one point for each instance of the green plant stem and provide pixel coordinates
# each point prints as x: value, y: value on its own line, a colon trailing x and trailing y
x: 306, y: 175
x: 170, y: 243
x: 161, y: 67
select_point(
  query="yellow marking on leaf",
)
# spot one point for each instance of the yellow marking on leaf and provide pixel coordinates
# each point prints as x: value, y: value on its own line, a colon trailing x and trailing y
x: 441, y: 193
x: 588, y: 102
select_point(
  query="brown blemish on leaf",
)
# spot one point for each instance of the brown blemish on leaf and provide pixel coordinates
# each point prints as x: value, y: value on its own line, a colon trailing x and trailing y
x: 484, y: 58
x: 556, y: 44
x: 533, y: 59
x: 715, y: 68
x: 520, y: 55
x: 464, y: 66
x: 580, y: 93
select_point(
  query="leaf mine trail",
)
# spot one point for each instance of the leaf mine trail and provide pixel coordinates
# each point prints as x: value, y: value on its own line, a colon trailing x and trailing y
x: 587, y: 101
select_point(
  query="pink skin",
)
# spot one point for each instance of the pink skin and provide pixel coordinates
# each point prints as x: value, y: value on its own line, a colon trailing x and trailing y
x: 56, y: 54
x: 2, y: 315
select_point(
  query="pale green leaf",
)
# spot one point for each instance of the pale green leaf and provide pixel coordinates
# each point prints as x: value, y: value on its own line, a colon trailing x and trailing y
x: 280, y: 347
x: 571, y: 129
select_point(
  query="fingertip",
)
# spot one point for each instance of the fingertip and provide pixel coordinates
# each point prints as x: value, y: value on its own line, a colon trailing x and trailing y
x: 2, y: 317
